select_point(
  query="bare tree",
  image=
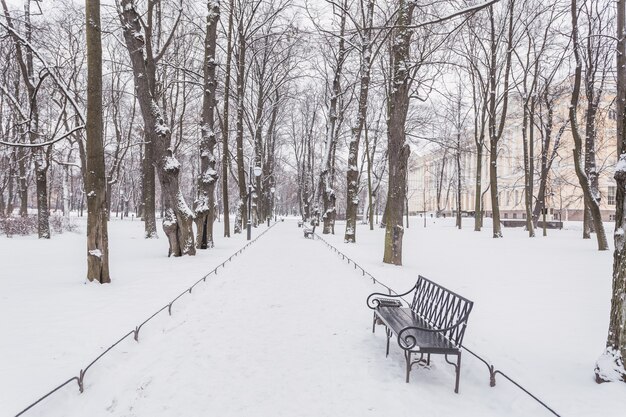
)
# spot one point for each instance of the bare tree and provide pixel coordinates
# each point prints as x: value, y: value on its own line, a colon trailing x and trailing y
x: 178, y: 220
x: 96, y: 188
x: 365, y: 31
x: 225, y: 123
x: 590, y: 191
x: 610, y: 365
x: 24, y: 56
x: 205, y: 202
x: 495, y: 127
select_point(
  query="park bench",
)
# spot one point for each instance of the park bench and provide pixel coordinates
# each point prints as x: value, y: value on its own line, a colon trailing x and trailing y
x: 300, y: 223
x: 433, y: 322
x: 309, y: 233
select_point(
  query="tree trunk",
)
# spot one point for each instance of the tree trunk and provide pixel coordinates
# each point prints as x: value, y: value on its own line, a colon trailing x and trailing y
x: 225, y: 131
x: 495, y: 131
x: 397, y: 147
x: 527, y: 168
x: 22, y: 182
x: 10, y: 193
x: 205, y: 203
x: 458, y: 183
x: 95, y: 187
x: 324, y: 190
x: 352, y: 175
x: 149, y: 191
x: 370, y: 191
x: 241, y: 172
x: 66, y: 190
x: 610, y: 366
x: 478, y: 209
x: 178, y: 222
x: 591, y: 196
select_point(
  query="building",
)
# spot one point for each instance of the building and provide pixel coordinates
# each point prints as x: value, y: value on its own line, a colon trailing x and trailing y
x: 432, y: 181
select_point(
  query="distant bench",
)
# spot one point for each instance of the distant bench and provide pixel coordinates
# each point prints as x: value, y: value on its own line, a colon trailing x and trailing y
x: 550, y: 224
x: 434, y: 322
x: 309, y: 233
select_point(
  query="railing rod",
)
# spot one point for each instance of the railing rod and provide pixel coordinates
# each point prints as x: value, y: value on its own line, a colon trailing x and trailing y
x: 80, y: 379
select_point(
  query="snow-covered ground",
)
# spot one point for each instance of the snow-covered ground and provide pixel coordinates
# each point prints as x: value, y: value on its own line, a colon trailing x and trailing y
x: 283, y: 330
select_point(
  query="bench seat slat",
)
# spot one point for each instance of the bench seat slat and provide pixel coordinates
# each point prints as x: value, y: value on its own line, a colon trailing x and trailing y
x: 397, y: 319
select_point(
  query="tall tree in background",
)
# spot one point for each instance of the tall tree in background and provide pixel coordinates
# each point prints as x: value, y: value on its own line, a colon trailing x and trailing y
x: 225, y: 124
x: 398, y: 106
x: 610, y: 366
x: 594, y: 50
x: 590, y: 192
x: 324, y: 189
x: 95, y: 186
x: 352, y: 174
x: 480, y: 93
x: 205, y: 203
x: 178, y: 220
x: 495, y: 127
x: 24, y: 54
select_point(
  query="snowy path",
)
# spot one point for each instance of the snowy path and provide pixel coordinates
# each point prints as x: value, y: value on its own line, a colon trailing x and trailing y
x: 282, y: 331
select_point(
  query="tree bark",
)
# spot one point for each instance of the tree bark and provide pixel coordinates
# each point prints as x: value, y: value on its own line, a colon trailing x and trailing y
x: 225, y: 131
x: 178, y: 219
x: 241, y: 172
x: 95, y: 187
x: 324, y: 190
x: 592, y: 197
x: 205, y: 202
x: 352, y: 175
x: 610, y: 366
x: 495, y: 129
x: 149, y: 191
x: 397, y: 147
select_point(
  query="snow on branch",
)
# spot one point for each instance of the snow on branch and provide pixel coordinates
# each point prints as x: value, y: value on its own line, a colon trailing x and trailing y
x: 48, y: 68
x: 50, y: 142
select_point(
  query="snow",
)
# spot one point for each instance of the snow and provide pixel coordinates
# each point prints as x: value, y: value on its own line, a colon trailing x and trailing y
x: 608, y: 368
x: 96, y: 252
x: 620, y: 167
x: 171, y: 164
x: 283, y: 330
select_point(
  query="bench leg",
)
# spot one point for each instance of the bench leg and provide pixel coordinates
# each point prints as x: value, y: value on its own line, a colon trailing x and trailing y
x: 388, y: 338
x: 458, y: 373
x: 428, y: 359
x: 407, y: 356
x: 457, y: 368
x: 374, y: 324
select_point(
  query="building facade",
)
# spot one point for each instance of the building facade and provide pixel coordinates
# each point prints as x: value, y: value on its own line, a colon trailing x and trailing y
x: 432, y: 181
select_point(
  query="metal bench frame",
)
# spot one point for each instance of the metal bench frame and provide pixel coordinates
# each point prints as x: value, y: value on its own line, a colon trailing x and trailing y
x: 438, y: 311
x: 309, y: 233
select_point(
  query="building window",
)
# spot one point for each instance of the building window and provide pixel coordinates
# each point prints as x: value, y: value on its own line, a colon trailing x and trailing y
x: 610, y: 198
x: 612, y: 114
x: 611, y: 217
x: 515, y: 215
x: 506, y: 215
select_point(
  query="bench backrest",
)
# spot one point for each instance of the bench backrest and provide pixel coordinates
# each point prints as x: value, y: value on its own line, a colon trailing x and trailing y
x: 441, y: 308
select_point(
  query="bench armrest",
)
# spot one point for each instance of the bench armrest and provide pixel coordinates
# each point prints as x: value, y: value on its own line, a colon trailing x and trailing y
x: 407, y: 341
x: 373, y: 299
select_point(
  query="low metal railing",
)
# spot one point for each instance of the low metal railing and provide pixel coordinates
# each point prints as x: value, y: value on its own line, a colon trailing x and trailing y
x: 492, y: 369
x: 80, y: 379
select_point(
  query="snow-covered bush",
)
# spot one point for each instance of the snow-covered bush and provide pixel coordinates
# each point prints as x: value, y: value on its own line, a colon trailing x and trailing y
x: 23, y: 226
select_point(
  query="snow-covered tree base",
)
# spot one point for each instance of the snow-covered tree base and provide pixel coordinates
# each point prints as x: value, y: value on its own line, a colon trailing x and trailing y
x: 610, y: 367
